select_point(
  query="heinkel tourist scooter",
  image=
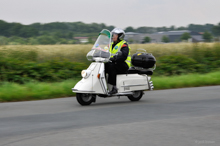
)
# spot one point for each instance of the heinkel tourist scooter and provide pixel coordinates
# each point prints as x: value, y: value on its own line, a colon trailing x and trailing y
x: 94, y: 80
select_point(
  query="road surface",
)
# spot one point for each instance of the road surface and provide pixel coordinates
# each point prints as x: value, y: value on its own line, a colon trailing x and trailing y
x: 175, y: 117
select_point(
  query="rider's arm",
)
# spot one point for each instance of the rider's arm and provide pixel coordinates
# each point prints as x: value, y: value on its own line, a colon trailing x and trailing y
x: 125, y: 51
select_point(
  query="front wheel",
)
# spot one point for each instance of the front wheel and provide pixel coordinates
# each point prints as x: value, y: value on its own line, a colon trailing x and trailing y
x: 137, y: 95
x: 85, y: 98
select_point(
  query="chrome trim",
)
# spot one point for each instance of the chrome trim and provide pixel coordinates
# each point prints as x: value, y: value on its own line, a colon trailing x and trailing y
x: 134, y: 85
x: 123, y: 93
x: 117, y: 94
x: 151, y: 85
x: 80, y: 90
x: 103, y: 85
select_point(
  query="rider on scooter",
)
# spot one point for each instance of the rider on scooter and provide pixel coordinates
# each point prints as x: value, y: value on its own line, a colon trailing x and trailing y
x: 120, y: 62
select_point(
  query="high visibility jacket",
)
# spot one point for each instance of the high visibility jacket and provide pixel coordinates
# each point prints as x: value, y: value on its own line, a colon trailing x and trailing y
x: 118, y: 48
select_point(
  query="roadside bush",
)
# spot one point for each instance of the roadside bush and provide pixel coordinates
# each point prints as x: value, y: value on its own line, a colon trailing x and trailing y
x: 180, y: 64
x: 175, y: 65
x: 45, y: 40
x: 51, y: 63
x: 22, y: 71
x: 3, y: 40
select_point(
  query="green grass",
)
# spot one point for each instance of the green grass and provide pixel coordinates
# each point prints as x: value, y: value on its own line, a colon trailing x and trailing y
x: 190, y: 80
x: 38, y: 90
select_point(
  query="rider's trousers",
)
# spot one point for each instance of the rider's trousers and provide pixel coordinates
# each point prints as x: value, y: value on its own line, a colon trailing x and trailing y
x: 113, y: 69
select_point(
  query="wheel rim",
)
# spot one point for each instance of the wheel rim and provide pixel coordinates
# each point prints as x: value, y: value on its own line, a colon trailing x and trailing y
x: 136, y: 94
x: 86, y: 97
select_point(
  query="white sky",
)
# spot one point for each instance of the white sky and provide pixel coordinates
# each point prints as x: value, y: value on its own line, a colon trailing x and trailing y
x: 120, y: 13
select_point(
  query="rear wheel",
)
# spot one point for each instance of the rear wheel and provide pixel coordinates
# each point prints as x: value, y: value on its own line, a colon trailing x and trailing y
x: 85, y: 99
x: 137, y: 95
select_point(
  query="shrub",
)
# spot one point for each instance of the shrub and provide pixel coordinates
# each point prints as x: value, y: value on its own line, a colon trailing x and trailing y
x: 52, y: 63
x: 22, y: 71
x: 175, y: 65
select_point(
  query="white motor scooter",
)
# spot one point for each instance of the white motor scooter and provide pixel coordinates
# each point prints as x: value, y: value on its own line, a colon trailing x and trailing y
x: 94, y: 81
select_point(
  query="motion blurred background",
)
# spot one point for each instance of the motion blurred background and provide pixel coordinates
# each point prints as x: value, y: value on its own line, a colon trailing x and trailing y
x: 45, y: 41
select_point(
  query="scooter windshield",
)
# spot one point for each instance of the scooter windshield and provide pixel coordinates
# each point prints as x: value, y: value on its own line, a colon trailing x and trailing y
x: 100, y: 50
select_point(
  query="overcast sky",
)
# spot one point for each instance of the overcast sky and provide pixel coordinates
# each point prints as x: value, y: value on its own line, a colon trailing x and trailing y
x: 120, y: 13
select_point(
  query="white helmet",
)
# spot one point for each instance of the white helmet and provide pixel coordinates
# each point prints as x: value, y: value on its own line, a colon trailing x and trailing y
x: 120, y: 33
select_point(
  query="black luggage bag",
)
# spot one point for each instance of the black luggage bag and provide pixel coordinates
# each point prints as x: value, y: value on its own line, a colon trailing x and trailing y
x: 143, y: 60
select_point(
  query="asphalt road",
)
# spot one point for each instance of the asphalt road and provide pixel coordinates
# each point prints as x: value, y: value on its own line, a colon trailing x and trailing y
x: 176, y: 117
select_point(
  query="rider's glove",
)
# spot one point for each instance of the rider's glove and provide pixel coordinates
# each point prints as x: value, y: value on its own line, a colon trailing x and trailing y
x: 112, y: 59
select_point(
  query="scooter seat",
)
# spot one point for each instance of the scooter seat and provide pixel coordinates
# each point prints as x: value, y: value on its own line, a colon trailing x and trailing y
x: 135, y: 71
x: 132, y: 71
x: 147, y: 72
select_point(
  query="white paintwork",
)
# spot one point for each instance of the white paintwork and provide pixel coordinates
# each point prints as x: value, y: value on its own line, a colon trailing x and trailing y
x: 94, y: 80
x: 92, y: 83
x: 132, y: 82
x: 95, y: 85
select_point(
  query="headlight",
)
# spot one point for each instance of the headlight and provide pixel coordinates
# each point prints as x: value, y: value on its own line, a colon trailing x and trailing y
x: 85, y: 73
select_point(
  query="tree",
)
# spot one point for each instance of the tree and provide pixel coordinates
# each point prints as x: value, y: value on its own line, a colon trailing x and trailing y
x: 3, y: 40
x: 147, y: 39
x: 207, y: 37
x: 181, y: 28
x: 129, y: 29
x: 4, y: 27
x: 159, y: 29
x: 46, y: 40
x: 164, y: 28
x: 216, y: 30
x: 58, y: 34
x: 172, y: 28
x: 91, y: 41
x: 15, y: 29
x: 33, y: 41
x: 62, y: 41
x: 185, y: 36
x: 110, y: 27
x: 200, y: 28
x: 165, y: 39
x: 146, y: 29
x: 18, y: 40
x: 27, y: 31
x: 70, y: 35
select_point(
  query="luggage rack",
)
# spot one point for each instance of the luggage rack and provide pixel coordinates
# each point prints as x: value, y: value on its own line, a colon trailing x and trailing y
x: 134, y: 70
x: 141, y: 68
x: 142, y: 51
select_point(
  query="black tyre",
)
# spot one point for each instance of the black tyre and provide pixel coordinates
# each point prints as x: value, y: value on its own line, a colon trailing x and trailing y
x: 137, y: 95
x: 85, y: 99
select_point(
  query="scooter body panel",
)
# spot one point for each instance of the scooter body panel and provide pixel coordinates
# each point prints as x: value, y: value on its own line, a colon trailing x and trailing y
x: 92, y: 84
x: 132, y: 82
x: 94, y: 81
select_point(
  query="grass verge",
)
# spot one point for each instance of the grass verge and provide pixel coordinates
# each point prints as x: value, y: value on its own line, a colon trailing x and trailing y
x: 190, y: 80
x: 38, y: 90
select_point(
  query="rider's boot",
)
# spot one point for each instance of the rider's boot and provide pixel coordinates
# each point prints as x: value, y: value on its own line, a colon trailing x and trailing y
x: 114, y: 90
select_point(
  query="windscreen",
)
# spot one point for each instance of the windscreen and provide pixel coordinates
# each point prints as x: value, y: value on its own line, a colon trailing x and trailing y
x: 101, y: 46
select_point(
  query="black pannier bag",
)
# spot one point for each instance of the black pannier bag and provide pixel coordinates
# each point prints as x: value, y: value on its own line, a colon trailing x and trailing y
x: 143, y: 60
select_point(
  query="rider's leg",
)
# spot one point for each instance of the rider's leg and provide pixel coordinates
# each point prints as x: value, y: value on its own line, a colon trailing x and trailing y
x: 113, y: 69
